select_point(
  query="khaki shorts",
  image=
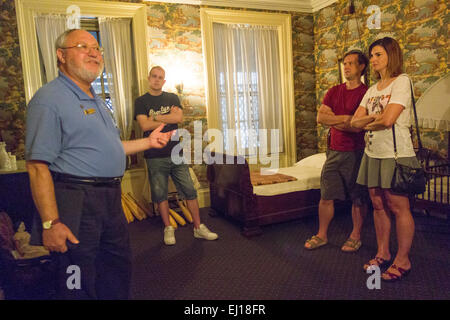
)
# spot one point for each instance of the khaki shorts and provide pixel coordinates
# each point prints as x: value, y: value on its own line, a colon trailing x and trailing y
x: 338, y: 179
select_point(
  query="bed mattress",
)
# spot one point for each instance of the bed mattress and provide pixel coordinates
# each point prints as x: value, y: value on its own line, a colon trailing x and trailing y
x: 306, y: 171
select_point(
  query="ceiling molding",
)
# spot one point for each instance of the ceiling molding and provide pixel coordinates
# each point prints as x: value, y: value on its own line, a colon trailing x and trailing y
x: 307, y: 6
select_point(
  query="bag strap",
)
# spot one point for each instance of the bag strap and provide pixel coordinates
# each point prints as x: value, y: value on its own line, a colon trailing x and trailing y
x: 415, y: 121
x: 415, y: 117
x: 395, y: 145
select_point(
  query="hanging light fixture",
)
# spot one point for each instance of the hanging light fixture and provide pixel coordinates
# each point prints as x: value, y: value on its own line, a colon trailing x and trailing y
x: 350, y: 14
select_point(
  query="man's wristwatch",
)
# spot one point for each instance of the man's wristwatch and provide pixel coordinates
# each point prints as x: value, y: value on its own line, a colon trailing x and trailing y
x: 46, y: 225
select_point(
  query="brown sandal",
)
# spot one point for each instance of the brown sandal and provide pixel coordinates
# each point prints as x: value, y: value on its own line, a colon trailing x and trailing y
x: 315, y: 242
x: 353, y: 244
x: 380, y: 262
x: 394, y: 277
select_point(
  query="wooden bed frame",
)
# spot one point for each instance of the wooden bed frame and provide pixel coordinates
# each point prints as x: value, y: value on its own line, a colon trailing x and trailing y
x: 231, y: 194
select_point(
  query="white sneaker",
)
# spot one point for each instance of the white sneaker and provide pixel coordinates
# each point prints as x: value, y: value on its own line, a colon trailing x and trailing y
x: 169, y: 235
x: 204, y: 233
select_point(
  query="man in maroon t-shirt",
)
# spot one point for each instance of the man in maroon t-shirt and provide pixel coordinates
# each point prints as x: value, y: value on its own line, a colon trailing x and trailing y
x: 345, y: 150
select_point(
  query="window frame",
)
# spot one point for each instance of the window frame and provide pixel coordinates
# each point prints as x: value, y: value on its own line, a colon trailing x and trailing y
x: 92, y: 26
x: 31, y: 65
x: 282, y: 22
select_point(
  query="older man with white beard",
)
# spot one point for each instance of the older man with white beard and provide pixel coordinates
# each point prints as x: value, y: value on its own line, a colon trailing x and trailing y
x: 75, y: 160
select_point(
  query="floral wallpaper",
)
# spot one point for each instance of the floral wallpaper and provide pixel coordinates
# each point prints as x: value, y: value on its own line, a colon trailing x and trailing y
x: 318, y: 39
x: 420, y: 26
x: 175, y: 44
x: 12, y: 92
x: 304, y: 84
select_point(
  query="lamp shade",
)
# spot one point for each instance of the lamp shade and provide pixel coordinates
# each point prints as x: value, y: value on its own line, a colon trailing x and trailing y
x: 433, y: 107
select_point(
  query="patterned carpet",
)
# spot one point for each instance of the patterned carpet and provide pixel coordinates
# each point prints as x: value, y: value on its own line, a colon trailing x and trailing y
x: 274, y: 266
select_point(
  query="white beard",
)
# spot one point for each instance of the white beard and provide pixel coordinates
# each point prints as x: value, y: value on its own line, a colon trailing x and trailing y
x: 84, y: 74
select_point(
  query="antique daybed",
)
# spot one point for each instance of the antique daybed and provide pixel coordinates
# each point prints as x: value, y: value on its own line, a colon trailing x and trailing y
x: 234, y: 196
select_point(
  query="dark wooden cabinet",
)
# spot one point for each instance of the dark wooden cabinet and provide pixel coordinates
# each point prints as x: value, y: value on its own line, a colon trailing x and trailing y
x: 15, y: 197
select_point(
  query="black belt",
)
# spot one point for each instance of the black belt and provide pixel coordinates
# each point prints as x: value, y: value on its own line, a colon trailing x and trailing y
x: 94, y: 181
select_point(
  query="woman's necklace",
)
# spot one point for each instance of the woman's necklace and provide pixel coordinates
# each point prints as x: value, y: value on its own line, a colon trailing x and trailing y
x: 383, y: 83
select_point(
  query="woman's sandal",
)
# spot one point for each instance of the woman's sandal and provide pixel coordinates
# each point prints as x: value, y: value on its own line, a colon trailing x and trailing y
x: 315, y: 242
x: 394, y: 277
x: 353, y: 244
x: 380, y: 262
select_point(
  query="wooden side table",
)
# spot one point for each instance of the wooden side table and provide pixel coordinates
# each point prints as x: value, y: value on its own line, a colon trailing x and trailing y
x: 15, y: 196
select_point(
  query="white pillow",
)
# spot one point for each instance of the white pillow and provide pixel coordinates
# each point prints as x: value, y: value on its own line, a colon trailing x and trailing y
x: 315, y: 161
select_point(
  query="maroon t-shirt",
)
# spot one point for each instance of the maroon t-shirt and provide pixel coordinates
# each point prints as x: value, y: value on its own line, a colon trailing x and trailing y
x: 345, y: 102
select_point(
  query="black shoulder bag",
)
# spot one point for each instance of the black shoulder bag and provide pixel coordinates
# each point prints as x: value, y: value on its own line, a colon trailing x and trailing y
x: 408, y: 180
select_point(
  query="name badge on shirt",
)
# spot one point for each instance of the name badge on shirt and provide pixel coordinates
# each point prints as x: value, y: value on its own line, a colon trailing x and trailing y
x: 89, y: 111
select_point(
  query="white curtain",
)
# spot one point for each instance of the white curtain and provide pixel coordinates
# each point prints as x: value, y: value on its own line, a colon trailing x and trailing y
x: 115, y: 34
x: 248, y: 79
x: 48, y: 28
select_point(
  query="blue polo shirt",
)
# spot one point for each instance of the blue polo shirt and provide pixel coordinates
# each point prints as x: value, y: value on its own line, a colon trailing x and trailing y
x: 72, y: 132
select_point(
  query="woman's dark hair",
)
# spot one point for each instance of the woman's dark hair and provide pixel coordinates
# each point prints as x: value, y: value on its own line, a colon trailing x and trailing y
x: 362, y: 59
x: 394, y: 53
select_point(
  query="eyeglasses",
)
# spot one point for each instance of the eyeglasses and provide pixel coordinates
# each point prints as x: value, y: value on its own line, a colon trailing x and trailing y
x: 84, y: 48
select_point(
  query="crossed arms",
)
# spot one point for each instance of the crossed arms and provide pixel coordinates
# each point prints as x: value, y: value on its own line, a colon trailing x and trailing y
x: 327, y: 117
x: 375, y: 122
x: 360, y: 120
x: 147, y: 123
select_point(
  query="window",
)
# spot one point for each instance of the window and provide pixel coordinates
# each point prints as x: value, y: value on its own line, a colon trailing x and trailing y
x: 245, y: 118
x: 227, y: 107
x: 100, y: 85
x: 32, y: 68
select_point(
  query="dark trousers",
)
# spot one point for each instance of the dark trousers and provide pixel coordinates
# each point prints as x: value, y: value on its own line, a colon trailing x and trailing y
x: 101, y: 262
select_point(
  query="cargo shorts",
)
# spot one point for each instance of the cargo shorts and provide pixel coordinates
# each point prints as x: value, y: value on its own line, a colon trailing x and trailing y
x: 159, y: 170
x: 338, y: 177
